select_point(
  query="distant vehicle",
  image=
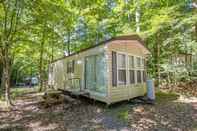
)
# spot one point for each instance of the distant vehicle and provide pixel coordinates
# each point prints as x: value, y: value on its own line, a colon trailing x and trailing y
x: 31, y: 81
x: 20, y: 84
x: 34, y: 81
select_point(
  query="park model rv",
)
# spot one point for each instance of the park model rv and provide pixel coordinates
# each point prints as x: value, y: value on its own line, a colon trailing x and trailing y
x: 111, y: 71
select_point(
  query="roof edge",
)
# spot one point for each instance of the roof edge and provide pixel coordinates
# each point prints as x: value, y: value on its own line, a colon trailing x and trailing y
x: 122, y: 37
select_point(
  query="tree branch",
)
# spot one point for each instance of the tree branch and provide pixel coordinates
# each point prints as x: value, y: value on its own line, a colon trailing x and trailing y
x: 16, y: 22
x: 12, y: 19
x: 5, y: 42
x: 5, y: 17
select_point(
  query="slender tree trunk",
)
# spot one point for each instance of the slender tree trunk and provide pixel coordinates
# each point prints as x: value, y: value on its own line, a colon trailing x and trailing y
x: 137, y: 16
x: 2, y: 81
x: 52, y: 51
x: 41, y: 66
x: 158, y: 60
x: 68, y: 43
x: 127, y: 9
x: 1, y: 71
x: 30, y: 83
x: 16, y: 77
x: 196, y: 30
x: 41, y: 59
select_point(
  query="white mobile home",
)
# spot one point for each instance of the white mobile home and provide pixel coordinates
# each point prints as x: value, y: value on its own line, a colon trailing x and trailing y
x: 111, y: 71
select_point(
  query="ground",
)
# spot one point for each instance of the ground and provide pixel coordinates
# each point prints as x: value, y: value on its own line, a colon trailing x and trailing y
x: 170, y: 112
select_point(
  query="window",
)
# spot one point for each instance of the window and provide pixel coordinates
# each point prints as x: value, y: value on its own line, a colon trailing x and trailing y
x: 131, y: 62
x: 144, y: 76
x: 70, y: 66
x: 132, y: 76
x: 114, y: 68
x: 127, y: 69
x: 131, y: 70
x: 121, y: 61
x: 138, y: 62
x: 95, y: 73
x: 122, y: 77
x: 139, y: 77
x: 143, y: 63
x: 121, y: 69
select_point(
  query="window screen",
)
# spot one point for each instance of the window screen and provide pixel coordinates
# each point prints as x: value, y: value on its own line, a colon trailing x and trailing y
x: 144, y: 76
x: 121, y: 69
x: 138, y: 62
x: 139, y: 77
x: 143, y: 63
x: 95, y: 73
x: 114, y: 69
x: 132, y: 76
x: 122, y: 77
x: 131, y: 62
x: 121, y: 61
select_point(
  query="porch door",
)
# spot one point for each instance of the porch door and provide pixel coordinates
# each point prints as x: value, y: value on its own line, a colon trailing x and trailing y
x: 95, y: 73
x: 90, y: 73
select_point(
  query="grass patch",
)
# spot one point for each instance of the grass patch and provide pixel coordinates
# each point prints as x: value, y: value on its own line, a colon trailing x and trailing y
x: 123, y: 115
x: 17, y: 91
x: 121, y: 111
x: 162, y: 97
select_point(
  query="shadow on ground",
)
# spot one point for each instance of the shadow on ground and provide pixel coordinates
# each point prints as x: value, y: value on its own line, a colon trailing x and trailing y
x: 168, y: 113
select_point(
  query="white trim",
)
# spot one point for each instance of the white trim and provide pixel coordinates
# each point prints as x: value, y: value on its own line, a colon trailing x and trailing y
x: 118, y: 82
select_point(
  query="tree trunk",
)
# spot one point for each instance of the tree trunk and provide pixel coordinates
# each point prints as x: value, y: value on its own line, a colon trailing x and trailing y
x: 1, y: 86
x: 196, y: 30
x: 1, y: 72
x: 157, y: 60
x: 30, y: 83
x: 137, y: 16
x: 52, y: 52
x: 6, y: 77
x: 41, y: 66
x: 41, y: 59
x: 68, y: 43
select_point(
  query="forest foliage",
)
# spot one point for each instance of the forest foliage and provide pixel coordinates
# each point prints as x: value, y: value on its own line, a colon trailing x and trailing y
x: 35, y: 32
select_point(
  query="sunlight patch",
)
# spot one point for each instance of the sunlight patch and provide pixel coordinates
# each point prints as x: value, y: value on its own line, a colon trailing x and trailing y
x: 39, y: 126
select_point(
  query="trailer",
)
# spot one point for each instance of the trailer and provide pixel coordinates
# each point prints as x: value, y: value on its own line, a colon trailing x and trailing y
x: 111, y: 71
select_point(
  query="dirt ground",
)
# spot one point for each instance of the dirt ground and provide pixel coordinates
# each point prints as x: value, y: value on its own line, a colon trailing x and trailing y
x: 169, y: 113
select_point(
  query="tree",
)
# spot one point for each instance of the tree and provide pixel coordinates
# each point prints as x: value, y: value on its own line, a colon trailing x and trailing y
x: 12, y: 11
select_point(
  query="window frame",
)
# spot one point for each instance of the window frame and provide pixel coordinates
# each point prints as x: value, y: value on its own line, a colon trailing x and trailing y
x: 70, y: 66
x: 120, y: 68
x: 131, y: 69
x: 135, y: 68
x: 138, y: 65
x: 95, y: 58
x: 141, y: 76
x: 141, y: 68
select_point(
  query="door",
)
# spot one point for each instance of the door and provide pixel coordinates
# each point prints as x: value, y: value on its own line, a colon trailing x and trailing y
x: 95, y: 73
x: 90, y: 72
